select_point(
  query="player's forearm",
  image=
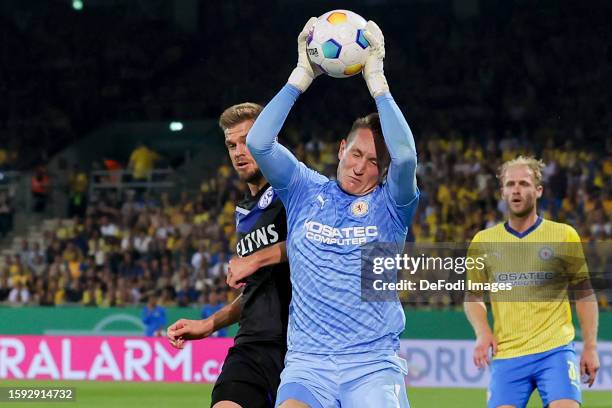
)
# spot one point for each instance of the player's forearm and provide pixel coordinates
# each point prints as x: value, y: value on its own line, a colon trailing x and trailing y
x: 402, y: 149
x: 227, y: 316
x: 476, y: 313
x: 588, y: 316
x: 275, y: 161
x: 271, y: 255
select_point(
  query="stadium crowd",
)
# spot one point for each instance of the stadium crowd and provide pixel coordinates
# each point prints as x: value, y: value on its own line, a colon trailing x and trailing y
x: 469, y: 106
x: 125, y: 249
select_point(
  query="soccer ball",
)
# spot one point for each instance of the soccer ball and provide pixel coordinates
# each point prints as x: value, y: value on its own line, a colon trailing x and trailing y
x: 337, y: 45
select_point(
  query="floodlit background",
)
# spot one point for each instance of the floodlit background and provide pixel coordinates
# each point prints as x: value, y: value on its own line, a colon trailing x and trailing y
x: 115, y: 186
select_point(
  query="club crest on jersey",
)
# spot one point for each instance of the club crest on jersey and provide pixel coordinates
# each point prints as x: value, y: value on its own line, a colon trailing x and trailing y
x: 546, y: 253
x: 266, y: 198
x: 359, y: 208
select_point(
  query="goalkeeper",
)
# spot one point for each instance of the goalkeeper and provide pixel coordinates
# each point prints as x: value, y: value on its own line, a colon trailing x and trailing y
x: 341, y: 350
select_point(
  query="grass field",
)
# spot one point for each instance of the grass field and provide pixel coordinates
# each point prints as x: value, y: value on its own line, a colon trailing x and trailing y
x: 158, y: 395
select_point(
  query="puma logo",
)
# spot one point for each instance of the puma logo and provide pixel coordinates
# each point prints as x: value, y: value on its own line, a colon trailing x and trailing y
x: 321, y: 200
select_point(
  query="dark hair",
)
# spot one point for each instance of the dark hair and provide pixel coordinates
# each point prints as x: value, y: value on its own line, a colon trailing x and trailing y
x: 372, y: 122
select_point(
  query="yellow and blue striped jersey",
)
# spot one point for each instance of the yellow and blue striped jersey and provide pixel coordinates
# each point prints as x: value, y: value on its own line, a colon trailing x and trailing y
x: 540, y: 263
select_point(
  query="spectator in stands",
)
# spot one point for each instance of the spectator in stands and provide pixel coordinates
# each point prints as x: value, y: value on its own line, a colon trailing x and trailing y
x: 200, y: 259
x: 184, y: 294
x: 130, y: 268
x: 114, y: 168
x: 34, y: 252
x: 215, y: 303
x: 24, y: 251
x: 601, y: 227
x: 56, y: 293
x: 40, y: 189
x: 72, y: 253
x: 219, y: 266
x: 37, y: 266
x: 154, y: 318
x: 77, y: 192
x: 40, y: 294
x: 142, y: 242
x: 19, y: 295
x: 108, y: 229
x: 93, y: 295
x: 142, y: 162
x: 74, y: 294
x: 130, y: 207
x: 110, y: 294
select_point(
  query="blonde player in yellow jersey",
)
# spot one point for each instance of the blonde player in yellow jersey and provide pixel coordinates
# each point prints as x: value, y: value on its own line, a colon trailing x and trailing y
x: 532, y: 340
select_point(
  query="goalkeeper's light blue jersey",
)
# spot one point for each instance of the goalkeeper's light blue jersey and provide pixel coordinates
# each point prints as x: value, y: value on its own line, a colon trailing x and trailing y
x: 326, y: 228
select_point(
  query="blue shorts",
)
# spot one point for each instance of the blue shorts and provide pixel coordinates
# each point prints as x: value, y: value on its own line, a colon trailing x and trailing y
x: 372, y: 379
x: 555, y: 373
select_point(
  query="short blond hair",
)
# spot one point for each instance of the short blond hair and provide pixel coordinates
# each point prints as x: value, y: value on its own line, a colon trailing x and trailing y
x: 535, y: 166
x: 237, y: 114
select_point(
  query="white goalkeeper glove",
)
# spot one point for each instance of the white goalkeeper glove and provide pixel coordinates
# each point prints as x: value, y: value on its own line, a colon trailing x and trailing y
x: 373, y: 70
x: 304, y: 72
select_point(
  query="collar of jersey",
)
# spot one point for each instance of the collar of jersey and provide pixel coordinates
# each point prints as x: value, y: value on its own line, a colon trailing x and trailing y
x: 355, y: 195
x: 248, y: 199
x: 526, y: 232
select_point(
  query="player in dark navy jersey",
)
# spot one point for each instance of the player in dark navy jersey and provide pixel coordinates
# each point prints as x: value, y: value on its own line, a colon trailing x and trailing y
x: 251, y: 372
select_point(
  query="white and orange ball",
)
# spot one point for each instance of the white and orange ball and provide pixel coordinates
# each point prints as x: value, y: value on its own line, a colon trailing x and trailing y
x: 337, y: 44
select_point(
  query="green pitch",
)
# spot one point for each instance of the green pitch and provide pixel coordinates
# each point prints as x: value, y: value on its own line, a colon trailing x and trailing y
x: 162, y: 395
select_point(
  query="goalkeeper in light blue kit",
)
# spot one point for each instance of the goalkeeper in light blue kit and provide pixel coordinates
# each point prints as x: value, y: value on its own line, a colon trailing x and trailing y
x: 341, y: 350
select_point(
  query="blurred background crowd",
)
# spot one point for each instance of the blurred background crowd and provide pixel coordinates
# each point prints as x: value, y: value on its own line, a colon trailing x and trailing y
x: 470, y: 106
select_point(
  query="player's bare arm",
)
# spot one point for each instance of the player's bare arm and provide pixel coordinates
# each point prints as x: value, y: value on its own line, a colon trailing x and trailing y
x: 185, y: 329
x: 476, y: 312
x: 242, y: 268
x: 588, y: 316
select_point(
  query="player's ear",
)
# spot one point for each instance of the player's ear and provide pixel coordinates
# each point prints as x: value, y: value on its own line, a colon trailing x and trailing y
x: 341, y: 149
x: 539, y: 191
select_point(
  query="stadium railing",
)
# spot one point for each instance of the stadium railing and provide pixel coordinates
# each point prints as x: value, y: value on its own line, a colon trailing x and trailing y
x: 120, y: 180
